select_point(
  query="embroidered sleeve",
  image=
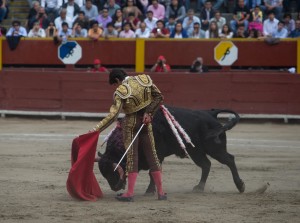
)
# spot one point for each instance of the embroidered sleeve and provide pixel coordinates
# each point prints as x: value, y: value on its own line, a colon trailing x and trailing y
x: 157, y: 98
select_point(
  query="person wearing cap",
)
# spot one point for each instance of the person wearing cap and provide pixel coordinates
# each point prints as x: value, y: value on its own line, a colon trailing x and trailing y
x: 16, y: 29
x: 98, y: 67
x: 138, y: 98
x: 161, y: 65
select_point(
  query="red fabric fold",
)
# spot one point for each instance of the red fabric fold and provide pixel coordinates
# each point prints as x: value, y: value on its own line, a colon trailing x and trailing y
x: 82, y: 183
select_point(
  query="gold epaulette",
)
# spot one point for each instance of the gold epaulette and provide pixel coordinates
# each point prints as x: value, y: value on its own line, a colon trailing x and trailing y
x: 144, y: 80
x: 124, y: 91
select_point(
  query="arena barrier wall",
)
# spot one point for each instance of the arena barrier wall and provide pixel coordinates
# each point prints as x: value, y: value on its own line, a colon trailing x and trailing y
x: 80, y: 91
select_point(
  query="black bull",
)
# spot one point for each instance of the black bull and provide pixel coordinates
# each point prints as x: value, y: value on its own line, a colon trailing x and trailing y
x: 206, y: 133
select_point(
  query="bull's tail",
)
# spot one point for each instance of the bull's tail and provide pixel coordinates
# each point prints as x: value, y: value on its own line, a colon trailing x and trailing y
x: 232, y: 121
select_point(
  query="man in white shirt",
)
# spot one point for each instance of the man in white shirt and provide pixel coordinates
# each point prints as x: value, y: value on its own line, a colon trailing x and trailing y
x: 16, y: 29
x: 270, y: 25
x: 143, y: 31
x: 51, y: 7
x: 281, y: 32
x: 150, y: 20
x: 189, y: 21
x: 62, y: 18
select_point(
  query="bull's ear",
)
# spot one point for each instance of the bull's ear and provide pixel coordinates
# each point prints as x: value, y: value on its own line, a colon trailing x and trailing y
x: 100, y: 154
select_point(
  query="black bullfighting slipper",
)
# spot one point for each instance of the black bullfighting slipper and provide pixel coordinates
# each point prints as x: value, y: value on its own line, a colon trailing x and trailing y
x: 162, y: 197
x: 124, y: 199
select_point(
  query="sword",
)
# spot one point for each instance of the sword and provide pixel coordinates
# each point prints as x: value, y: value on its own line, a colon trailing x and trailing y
x: 129, y: 146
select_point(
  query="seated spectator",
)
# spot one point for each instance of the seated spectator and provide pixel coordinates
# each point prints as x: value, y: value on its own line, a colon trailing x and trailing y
x: 197, y: 32
x: 103, y: 18
x: 32, y: 14
x: 221, y: 21
x: 142, y: 31
x: 72, y: 10
x: 273, y: 6
x: 198, y: 66
x: 118, y: 20
x: 170, y: 25
x: 160, y: 31
x: 280, y: 32
x: 131, y: 7
x: 51, y: 30
x: 189, y: 21
x: 179, y: 32
x: 127, y: 32
x: 62, y: 18
x: 257, y: 19
x: 256, y: 34
x: 64, y: 33
x: 42, y: 18
x: 157, y: 9
x: 289, y: 22
x: 216, y: 6
x: 112, y: 6
x: 134, y: 22
x: 177, y: 10
x: 95, y: 32
x: 270, y: 25
x: 150, y: 20
x: 80, y: 3
x: 90, y: 10
x: 296, y: 32
x: 98, y: 67
x: 83, y: 20
x: 110, y: 31
x: 213, y: 31
x: 161, y: 65
x: 3, y: 10
x: 51, y: 8
x: 241, y: 16
x: 36, y: 31
x: 16, y: 29
x: 142, y: 5
x: 206, y: 14
x: 226, y: 33
x: 79, y: 31
x: 241, y: 32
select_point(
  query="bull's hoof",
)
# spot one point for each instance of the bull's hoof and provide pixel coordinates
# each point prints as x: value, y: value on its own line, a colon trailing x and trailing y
x: 199, y: 188
x: 241, y: 186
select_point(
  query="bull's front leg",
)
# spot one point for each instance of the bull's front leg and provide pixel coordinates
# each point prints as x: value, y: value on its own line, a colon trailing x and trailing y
x: 151, y: 190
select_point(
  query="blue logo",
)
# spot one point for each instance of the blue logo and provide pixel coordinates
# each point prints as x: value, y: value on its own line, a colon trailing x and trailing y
x: 66, y: 50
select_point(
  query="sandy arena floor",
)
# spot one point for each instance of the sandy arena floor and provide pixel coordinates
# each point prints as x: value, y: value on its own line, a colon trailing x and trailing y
x: 35, y: 160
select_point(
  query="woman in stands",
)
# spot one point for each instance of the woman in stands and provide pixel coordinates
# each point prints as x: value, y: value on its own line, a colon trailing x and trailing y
x: 226, y: 32
x: 213, y: 31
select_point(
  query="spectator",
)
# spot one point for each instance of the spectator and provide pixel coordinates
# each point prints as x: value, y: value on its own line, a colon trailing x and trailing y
x: 257, y: 19
x: 142, y: 5
x: 257, y: 34
x: 90, y: 10
x: 72, y: 10
x: 130, y: 7
x: 150, y: 20
x: 216, y: 6
x: 213, y: 31
x: 110, y: 31
x: 83, y: 20
x: 190, y: 20
x: 118, y: 20
x: 197, y: 32
x: 112, y: 6
x: 296, y: 32
x: 160, y: 31
x: 177, y: 10
x: 98, y: 67
x: 62, y: 18
x: 95, y: 32
x: 36, y: 31
x: 289, y: 22
x: 157, y: 9
x: 64, y: 33
x: 143, y: 31
x: 127, y: 32
x: 198, y: 66
x: 161, y: 65
x: 79, y: 31
x: 226, y: 33
x: 51, y: 30
x: 273, y: 6
x: 280, y: 32
x: 254, y: 4
x: 179, y: 32
x: 170, y: 25
x: 241, y: 32
x: 80, y: 3
x: 3, y: 10
x: 241, y: 16
x: 134, y: 22
x: 206, y: 14
x: 32, y: 14
x: 270, y: 24
x: 51, y: 8
x: 42, y: 18
x: 221, y: 21
x: 104, y: 18
x: 16, y: 29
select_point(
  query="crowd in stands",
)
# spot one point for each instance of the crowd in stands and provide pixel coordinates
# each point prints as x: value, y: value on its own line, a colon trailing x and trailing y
x: 96, y: 19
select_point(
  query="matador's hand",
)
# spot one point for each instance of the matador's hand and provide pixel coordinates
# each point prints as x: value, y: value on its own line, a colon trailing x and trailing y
x: 147, y: 118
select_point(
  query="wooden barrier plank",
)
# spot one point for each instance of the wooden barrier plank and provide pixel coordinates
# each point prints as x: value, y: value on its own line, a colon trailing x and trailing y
x: 32, y: 104
x: 87, y: 105
x: 260, y: 108
x: 35, y: 94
